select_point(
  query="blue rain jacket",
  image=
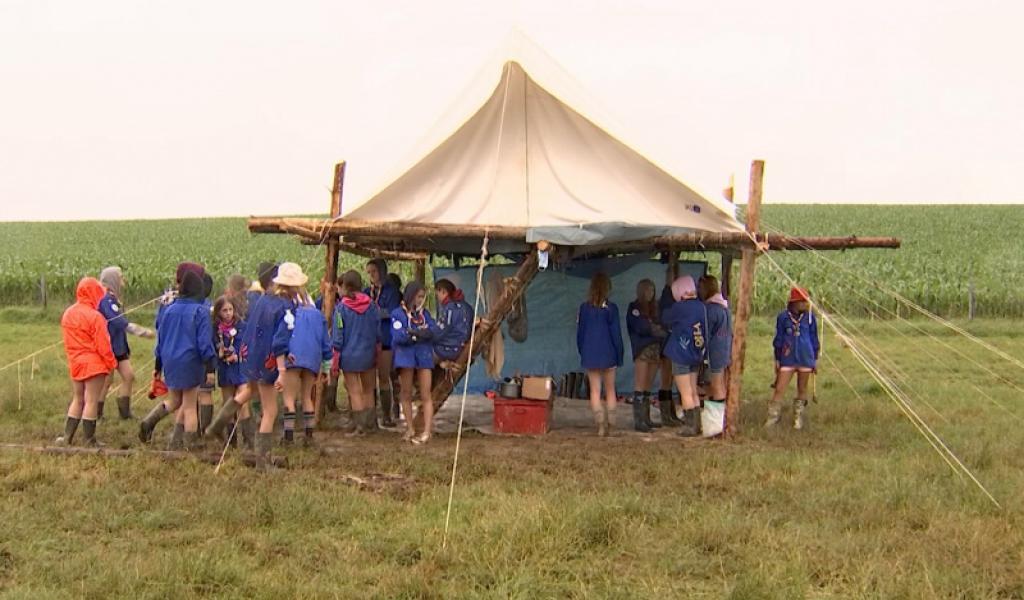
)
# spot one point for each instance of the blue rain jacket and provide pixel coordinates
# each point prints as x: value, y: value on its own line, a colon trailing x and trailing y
x: 455, y: 320
x: 413, y: 345
x: 641, y: 330
x: 302, y: 338
x: 796, y: 340
x: 687, y: 322
x: 599, y: 336
x: 719, y: 336
x: 117, y: 324
x: 388, y: 299
x: 184, y: 345
x: 355, y: 337
x: 265, y: 314
x: 230, y: 373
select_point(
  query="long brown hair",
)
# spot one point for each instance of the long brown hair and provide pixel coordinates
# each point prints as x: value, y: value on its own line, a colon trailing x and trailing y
x: 707, y: 287
x: 237, y: 286
x: 219, y: 304
x: 600, y: 289
x: 647, y: 308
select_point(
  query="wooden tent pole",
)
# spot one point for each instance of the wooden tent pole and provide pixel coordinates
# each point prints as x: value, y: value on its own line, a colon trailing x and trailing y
x: 325, y: 393
x: 420, y: 271
x: 486, y: 329
x: 743, y: 301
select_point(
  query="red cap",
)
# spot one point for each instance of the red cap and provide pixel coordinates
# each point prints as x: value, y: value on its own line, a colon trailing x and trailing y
x: 798, y: 294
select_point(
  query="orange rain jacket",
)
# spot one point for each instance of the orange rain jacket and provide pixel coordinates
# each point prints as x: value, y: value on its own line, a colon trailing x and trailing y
x: 86, y: 339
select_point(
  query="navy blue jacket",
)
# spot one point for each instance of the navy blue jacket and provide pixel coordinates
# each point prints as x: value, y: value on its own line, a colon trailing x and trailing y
x: 687, y: 322
x: 184, y: 345
x: 302, y: 338
x: 641, y: 330
x: 230, y: 373
x: 413, y: 347
x: 355, y: 337
x: 455, y: 320
x: 117, y: 324
x: 719, y: 336
x: 796, y: 340
x: 265, y: 314
x: 599, y: 336
x: 388, y: 299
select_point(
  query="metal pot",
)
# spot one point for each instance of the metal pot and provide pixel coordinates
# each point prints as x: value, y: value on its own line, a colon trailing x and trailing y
x: 510, y: 388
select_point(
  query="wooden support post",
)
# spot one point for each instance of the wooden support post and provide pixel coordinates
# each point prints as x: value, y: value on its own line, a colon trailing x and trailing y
x: 325, y: 392
x: 488, y: 327
x: 726, y: 283
x: 420, y: 271
x: 743, y: 301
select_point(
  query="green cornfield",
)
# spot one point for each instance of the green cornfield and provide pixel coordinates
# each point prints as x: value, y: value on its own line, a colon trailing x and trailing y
x: 946, y: 250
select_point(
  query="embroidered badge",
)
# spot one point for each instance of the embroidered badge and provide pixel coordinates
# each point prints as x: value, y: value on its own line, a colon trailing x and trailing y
x: 289, y: 319
x: 233, y: 332
x: 636, y: 312
x: 114, y: 308
x: 397, y: 325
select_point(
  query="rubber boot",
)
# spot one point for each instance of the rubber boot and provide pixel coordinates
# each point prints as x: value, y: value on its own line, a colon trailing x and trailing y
x: 799, y: 414
x: 247, y: 429
x: 222, y: 422
x: 191, y: 442
x: 205, y: 416
x: 602, y: 423
x: 148, y: 424
x: 70, y: 427
x: 264, y: 442
x: 331, y: 397
x: 387, y: 418
x: 371, y: 419
x: 89, y: 433
x: 177, y: 437
x: 691, y: 423
x: 639, y: 423
x: 609, y: 419
x: 124, y: 407
x: 645, y: 412
x: 774, y: 414
x: 668, y: 413
x: 99, y: 410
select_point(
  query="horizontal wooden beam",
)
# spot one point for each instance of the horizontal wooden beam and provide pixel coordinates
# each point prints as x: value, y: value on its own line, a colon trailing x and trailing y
x: 367, y: 252
x: 411, y: 236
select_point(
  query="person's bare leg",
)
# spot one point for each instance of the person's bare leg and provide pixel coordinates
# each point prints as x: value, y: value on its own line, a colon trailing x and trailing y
x: 596, y: 406
x: 775, y: 405
x: 127, y: 373
x: 189, y: 404
x: 405, y: 377
x: 385, y: 390
x: 425, y: 377
x: 268, y: 405
x: 800, y: 404
x: 610, y: 396
x: 292, y: 393
x: 717, y: 386
x: 74, y: 415
x: 687, y: 392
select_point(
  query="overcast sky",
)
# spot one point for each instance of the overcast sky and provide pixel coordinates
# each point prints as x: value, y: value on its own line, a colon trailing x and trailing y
x: 130, y: 109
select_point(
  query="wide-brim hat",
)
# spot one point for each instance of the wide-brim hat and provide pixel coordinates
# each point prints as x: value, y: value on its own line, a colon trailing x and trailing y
x: 290, y: 274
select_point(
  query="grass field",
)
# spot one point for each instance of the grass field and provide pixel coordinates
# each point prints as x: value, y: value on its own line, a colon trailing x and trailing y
x: 858, y: 506
x: 946, y: 249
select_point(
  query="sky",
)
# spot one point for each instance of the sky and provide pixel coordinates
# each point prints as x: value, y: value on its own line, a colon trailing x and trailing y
x: 127, y: 109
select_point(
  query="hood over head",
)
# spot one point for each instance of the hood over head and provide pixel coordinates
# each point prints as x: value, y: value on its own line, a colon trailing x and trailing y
x: 185, y: 267
x: 683, y: 288
x: 191, y: 286
x: 382, y: 268
x: 113, y: 279
x: 207, y: 285
x: 89, y: 292
x: 409, y: 296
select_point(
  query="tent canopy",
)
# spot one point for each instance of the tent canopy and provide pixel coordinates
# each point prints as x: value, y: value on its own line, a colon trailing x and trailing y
x: 525, y: 159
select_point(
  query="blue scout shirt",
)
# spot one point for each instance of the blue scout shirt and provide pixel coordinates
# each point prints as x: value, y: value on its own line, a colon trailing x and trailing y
x: 455, y: 320
x: 388, y: 299
x: 687, y: 323
x: 719, y: 336
x: 413, y: 342
x: 184, y: 345
x: 258, y: 363
x: 796, y: 340
x: 599, y: 336
x: 641, y: 330
x: 229, y: 338
x: 302, y: 338
x: 117, y: 324
x: 355, y: 337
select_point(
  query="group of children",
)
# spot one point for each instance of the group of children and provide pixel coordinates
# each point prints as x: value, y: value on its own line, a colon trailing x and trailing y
x: 261, y: 341
x: 686, y: 336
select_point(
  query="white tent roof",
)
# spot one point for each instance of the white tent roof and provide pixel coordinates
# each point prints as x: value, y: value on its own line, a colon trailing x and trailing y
x: 527, y: 159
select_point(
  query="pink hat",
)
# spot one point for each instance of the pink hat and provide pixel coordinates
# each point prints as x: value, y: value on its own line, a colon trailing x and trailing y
x: 684, y: 288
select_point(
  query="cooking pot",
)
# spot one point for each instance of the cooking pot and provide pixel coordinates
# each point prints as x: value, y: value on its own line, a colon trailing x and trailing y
x: 510, y: 388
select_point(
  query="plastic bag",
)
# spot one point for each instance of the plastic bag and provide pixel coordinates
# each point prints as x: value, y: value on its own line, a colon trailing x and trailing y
x: 712, y: 418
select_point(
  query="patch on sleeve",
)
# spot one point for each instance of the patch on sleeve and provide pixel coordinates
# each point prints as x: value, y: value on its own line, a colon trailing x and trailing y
x: 397, y: 325
x: 636, y: 312
x: 114, y: 307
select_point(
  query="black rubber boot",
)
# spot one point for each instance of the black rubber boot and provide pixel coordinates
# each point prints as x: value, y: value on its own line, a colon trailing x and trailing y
x: 639, y: 423
x: 387, y: 418
x: 222, y: 422
x: 148, y: 424
x: 247, y: 429
x: 177, y: 441
x: 691, y: 423
x: 89, y: 433
x: 668, y: 413
x: 646, y: 411
x: 264, y: 442
x: 331, y: 397
x: 191, y: 442
x: 205, y: 416
x: 99, y: 410
x: 371, y: 420
x: 70, y: 427
x: 124, y: 407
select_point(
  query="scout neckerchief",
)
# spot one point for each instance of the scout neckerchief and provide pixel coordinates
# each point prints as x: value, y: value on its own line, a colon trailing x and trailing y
x: 795, y: 322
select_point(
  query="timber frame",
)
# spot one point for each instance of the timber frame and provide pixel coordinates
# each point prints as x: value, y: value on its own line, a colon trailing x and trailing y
x: 417, y: 242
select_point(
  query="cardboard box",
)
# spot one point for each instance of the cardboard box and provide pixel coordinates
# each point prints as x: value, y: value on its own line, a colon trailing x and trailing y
x: 538, y: 388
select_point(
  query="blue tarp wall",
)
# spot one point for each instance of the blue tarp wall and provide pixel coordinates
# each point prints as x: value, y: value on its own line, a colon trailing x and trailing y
x: 552, y: 302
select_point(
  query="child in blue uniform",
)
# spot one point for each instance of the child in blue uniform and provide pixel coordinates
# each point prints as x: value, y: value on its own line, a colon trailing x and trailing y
x: 454, y: 319
x: 796, y: 351
x: 258, y: 363
x: 413, y: 331
x: 666, y: 403
x: 388, y: 299
x: 599, y: 341
x: 206, y: 389
x: 185, y: 354
x: 112, y: 309
x: 302, y: 349
x: 719, y: 338
x: 646, y: 336
x: 686, y: 321
x: 234, y: 385
x: 356, y: 337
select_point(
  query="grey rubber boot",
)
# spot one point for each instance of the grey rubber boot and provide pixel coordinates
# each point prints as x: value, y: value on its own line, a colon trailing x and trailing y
x: 124, y: 406
x: 205, y: 416
x: 89, y: 433
x: 371, y: 419
x: 222, y: 421
x: 264, y: 442
x: 774, y: 414
x: 691, y: 423
x: 799, y: 414
x: 247, y: 429
x: 386, y: 414
x: 639, y: 423
x: 70, y: 427
x: 191, y: 442
x: 177, y: 437
x: 668, y: 413
x: 645, y: 412
x: 148, y: 424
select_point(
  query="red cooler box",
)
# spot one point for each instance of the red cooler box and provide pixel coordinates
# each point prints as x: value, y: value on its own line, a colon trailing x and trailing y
x: 523, y: 417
